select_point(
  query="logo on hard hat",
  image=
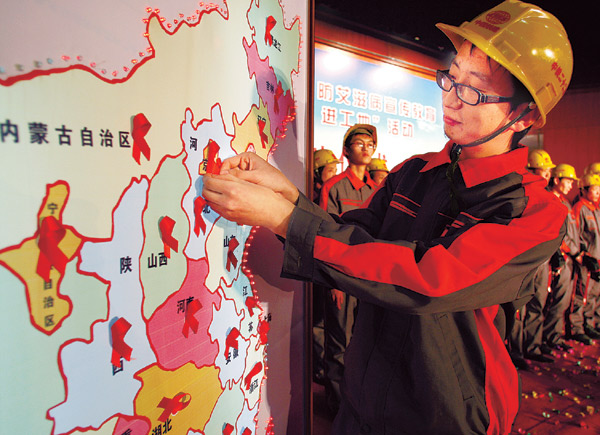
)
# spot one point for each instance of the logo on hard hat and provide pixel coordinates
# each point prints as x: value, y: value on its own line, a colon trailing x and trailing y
x: 497, y: 17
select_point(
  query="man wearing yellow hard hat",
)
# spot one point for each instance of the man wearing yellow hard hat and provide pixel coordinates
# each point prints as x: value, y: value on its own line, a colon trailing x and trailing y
x: 561, y: 183
x: 584, y: 318
x: 539, y: 163
x: 378, y: 170
x: 441, y: 252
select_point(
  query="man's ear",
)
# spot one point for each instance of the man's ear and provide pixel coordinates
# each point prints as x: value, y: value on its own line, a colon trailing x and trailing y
x: 528, y: 120
x: 345, y: 152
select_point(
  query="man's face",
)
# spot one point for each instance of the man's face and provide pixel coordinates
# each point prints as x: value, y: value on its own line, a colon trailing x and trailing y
x: 329, y: 171
x: 463, y: 123
x: 360, y: 150
x: 378, y: 176
x: 593, y: 194
x: 563, y: 185
x: 545, y: 173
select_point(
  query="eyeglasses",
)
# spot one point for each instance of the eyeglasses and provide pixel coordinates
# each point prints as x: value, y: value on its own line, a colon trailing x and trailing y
x: 467, y: 94
x: 363, y: 145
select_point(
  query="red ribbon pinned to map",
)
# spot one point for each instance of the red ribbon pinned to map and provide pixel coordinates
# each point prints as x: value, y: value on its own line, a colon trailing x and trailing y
x: 141, y: 125
x: 228, y: 429
x: 263, y: 330
x: 263, y: 136
x: 199, y: 224
x: 190, y: 321
x: 174, y: 405
x: 166, y: 233
x: 51, y: 233
x: 251, y: 303
x: 233, y: 243
x: 270, y: 24
x: 231, y: 341
x: 255, y: 370
x: 278, y: 93
x: 120, y: 348
x: 213, y: 162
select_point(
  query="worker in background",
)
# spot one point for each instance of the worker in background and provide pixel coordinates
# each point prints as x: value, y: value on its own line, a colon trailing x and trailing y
x: 449, y: 240
x: 540, y: 163
x: 584, y: 317
x: 561, y: 183
x: 325, y: 167
x: 344, y: 192
x: 378, y: 170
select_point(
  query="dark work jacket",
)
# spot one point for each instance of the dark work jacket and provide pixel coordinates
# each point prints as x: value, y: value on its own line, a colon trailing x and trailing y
x: 432, y: 274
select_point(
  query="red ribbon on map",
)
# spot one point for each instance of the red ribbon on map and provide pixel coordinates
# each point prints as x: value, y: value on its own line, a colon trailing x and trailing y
x: 213, y: 162
x: 199, y: 224
x: 228, y: 429
x: 120, y: 348
x: 247, y: 431
x: 190, y: 321
x: 231, y: 341
x: 233, y: 243
x: 278, y: 93
x: 251, y: 303
x: 51, y: 233
x: 255, y: 370
x: 264, y: 139
x: 231, y: 259
x: 263, y: 330
x: 174, y: 405
x: 141, y: 125
x: 270, y: 24
x: 166, y: 234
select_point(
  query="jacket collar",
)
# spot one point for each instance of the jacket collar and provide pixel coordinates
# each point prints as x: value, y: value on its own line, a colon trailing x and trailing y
x: 358, y: 183
x: 477, y: 171
x: 589, y: 204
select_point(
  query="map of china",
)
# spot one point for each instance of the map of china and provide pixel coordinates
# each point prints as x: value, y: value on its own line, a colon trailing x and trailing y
x: 136, y: 298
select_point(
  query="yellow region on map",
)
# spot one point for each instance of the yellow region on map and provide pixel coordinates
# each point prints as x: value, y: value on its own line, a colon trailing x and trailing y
x: 47, y: 307
x: 182, y: 399
x: 248, y: 132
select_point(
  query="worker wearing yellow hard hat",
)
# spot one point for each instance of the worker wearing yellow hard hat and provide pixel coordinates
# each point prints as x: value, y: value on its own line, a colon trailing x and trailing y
x: 443, y: 253
x: 378, y: 170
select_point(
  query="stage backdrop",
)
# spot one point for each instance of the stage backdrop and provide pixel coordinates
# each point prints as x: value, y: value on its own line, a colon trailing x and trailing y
x: 129, y: 306
x: 402, y: 100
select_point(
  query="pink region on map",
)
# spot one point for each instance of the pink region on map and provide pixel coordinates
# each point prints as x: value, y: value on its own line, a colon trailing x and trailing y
x: 131, y: 426
x: 280, y: 104
x: 178, y: 313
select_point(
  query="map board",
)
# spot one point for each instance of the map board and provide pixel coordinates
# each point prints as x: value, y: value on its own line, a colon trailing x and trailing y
x: 130, y: 307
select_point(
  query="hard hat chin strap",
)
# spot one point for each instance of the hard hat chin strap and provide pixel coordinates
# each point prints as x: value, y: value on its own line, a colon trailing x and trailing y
x: 501, y: 130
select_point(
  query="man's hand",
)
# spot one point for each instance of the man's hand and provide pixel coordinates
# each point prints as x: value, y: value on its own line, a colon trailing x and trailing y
x: 338, y: 297
x: 246, y: 203
x: 252, y: 168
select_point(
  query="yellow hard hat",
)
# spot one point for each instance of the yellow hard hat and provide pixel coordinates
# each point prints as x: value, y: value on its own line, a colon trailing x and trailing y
x: 592, y: 168
x: 589, y: 180
x: 539, y: 159
x: 377, y: 165
x: 564, y: 171
x: 324, y: 157
x: 526, y: 40
x: 369, y: 129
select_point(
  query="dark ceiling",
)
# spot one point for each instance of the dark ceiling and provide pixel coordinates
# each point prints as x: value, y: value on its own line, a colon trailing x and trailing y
x: 414, y: 21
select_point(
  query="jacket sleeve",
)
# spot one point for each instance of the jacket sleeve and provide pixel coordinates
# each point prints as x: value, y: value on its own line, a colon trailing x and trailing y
x: 486, y: 265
